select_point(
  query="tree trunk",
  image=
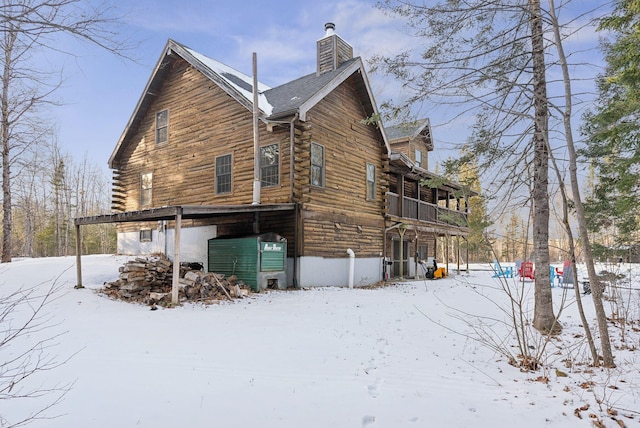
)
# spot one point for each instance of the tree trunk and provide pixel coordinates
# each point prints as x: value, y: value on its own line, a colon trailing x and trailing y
x: 544, y: 319
x: 7, y: 220
x: 596, y: 289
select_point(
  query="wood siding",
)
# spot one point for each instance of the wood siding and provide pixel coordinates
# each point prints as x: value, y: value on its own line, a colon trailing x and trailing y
x: 338, y: 216
x: 204, y: 122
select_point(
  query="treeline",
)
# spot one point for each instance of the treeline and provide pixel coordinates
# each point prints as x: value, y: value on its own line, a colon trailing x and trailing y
x: 49, y: 190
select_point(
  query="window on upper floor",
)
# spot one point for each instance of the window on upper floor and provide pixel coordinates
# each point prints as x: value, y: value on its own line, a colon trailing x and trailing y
x: 270, y: 165
x: 146, y: 188
x: 371, y: 181
x: 162, y: 126
x: 223, y: 174
x: 418, y: 158
x: 317, y: 165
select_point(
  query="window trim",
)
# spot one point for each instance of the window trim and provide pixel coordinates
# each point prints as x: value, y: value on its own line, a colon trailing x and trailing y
x: 158, y: 128
x: 263, y: 167
x: 144, y: 232
x: 369, y: 196
x: 322, y: 167
x: 217, y: 177
x: 144, y: 190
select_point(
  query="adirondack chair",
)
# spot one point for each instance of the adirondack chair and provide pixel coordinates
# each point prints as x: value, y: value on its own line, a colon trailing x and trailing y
x: 552, y: 275
x: 526, y: 270
x: 501, y: 271
x: 565, y: 275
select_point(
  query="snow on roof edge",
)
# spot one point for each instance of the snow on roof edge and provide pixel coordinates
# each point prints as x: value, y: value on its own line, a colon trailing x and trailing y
x: 223, y: 71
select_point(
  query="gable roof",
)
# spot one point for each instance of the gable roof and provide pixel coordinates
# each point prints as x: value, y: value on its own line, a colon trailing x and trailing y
x: 410, y: 130
x: 295, y: 97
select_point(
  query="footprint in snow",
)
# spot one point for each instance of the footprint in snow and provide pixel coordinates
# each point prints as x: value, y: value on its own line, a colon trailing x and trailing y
x: 374, y: 388
x: 368, y: 420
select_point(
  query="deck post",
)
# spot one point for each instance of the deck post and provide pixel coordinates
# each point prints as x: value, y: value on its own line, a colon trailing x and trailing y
x: 175, y: 282
x: 78, y: 258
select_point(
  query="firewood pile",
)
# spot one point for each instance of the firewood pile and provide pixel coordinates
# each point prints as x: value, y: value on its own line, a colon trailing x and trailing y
x: 149, y: 280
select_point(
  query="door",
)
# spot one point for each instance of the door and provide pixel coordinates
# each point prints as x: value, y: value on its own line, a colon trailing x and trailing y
x: 395, y: 271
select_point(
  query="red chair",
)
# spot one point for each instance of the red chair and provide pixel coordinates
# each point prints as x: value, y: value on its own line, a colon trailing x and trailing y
x: 526, y: 270
x: 560, y: 272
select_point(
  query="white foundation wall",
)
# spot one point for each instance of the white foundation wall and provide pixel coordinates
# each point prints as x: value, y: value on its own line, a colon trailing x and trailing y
x: 193, y: 243
x: 312, y: 271
x: 323, y: 272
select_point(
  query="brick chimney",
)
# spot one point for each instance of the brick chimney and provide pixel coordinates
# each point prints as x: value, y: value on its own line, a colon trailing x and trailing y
x: 332, y: 50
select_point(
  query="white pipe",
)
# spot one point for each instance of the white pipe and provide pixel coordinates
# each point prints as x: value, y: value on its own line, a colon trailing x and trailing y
x: 256, y: 141
x: 352, y: 264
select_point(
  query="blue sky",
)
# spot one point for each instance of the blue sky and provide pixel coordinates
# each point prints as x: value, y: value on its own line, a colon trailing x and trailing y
x: 102, y: 90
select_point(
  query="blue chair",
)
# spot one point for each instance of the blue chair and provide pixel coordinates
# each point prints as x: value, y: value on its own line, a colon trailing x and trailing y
x: 501, y: 272
x: 567, y: 276
x: 552, y: 274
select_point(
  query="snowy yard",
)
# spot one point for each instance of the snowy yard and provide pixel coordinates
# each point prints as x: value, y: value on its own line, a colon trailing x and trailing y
x: 404, y: 355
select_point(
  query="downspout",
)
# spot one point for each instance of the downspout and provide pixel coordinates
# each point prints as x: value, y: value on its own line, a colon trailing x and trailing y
x: 292, y: 141
x: 352, y: 263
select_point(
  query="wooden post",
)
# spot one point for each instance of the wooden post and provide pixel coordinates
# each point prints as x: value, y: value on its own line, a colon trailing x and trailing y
x: 401, y: 230
x: 458, y: 251
x: 175, y: 282
x: 78, y: 258
x: 415, y: 262
x: 446, y: 249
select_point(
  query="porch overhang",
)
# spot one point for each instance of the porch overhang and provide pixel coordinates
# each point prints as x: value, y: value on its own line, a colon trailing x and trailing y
x: 176, y: 213
x: 186, y: 211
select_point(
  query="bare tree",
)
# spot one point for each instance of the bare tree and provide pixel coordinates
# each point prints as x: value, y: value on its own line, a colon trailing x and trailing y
x: 30, y: 26
x: 579, y: 208
x: 487, y: 57
x: 27, y: 339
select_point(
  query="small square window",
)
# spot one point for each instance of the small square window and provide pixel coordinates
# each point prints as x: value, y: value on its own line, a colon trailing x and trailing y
x: 145, y: 235
x: 162, y: 126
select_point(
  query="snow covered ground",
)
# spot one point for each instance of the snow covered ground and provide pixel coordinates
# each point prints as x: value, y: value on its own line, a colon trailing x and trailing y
x: 404, y: 355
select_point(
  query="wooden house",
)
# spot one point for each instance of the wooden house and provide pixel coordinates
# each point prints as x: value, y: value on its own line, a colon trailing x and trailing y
x: 209, y: 152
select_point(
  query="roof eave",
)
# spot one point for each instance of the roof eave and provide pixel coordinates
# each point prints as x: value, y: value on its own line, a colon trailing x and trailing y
x: 146, y: 93
x: 356, y: 66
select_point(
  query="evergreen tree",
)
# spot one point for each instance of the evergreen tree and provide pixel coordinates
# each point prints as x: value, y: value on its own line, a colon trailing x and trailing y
x: 613, y: 128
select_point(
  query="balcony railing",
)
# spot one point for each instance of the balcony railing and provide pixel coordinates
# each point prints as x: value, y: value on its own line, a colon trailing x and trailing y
x: 424, y: 211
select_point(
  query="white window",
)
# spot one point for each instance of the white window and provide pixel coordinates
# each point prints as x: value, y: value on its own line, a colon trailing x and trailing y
x: 162, y: 126
x: 146, y: 188
x: 371, y: 181
x: 223, y: 174
x: 145, y: 235
x: 270, y: 165
x: 418, y: 157
x: 317, y: 165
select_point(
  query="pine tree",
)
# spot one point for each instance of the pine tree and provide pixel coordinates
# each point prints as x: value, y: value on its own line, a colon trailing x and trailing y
x: 613, y: 128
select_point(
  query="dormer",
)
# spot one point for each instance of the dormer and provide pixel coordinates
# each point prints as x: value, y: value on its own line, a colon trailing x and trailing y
x: 413, y: 139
